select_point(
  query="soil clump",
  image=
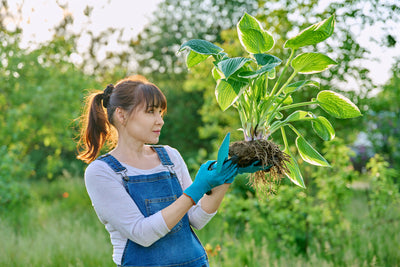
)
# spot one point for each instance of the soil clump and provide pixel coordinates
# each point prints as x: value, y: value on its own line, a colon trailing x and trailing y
x: 265, y: 151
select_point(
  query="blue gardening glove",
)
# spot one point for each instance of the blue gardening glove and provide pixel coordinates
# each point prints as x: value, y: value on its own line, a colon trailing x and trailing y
x: 254, y: 167
x: 229, y: 181
x: 207, y: 179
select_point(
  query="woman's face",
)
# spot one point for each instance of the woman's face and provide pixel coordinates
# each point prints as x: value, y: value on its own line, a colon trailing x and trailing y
x: 144, y: 124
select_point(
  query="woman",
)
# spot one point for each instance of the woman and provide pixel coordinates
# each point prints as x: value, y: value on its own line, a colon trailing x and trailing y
x: 143, y: 194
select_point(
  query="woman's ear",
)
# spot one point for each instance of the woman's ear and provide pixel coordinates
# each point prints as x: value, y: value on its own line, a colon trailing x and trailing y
x: 121, y: 116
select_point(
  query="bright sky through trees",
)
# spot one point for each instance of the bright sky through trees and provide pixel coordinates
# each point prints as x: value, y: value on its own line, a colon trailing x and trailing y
x: 40, y: 16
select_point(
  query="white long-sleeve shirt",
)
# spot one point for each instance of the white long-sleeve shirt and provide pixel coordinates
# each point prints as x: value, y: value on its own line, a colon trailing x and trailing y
x: 119, y: 213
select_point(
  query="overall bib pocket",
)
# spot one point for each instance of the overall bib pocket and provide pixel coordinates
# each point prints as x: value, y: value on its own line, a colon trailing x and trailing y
x: 156, y: 204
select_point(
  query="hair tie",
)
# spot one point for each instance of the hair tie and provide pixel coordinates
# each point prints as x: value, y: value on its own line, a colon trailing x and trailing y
x: 106, y: 95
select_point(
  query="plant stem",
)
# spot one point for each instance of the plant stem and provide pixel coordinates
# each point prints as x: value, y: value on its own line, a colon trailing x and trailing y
x: 251, y: 99
x: 242, y: 109
x: 272, y: 114
x: 283, y: 72
x: 272, y: 96
x: 284, y: 123
x: 284, y: 138
x: 297, y: 105
x: 294, y: 129
x: 287, y: 82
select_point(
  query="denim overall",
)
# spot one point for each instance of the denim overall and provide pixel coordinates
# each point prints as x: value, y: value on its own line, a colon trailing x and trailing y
x: 152, y: 193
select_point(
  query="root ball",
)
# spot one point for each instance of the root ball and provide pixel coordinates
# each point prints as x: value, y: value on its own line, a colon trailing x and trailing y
x: 268, y: 153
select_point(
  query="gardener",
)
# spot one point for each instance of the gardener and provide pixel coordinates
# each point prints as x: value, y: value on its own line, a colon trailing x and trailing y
x: 142, y: 193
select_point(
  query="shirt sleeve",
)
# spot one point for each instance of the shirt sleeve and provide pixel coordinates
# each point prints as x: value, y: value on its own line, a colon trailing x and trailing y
x: 115, y: 207
x: 198, y: 218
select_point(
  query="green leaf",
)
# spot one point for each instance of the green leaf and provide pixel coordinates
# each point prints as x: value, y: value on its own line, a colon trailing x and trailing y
x: 252, y: 36
x: 288, y: 100
x: 298, y: 85
x: 238, y: 84
x: 308, y: 63
x: 323, y: 128
x: 297, y: 116
x: 267, y: 59
x: 249, y: 74
x: 279, y: 116
x: 294, y: 173
x: 254, y: 74
x: 337, y: 105
x: 216, y: 74
x: 314, y: 34
x: 309, y: 154
x: 272, y: 74
x: 231, y: 65
x: 194, y: 58
x: 201, y: 47
x: 276, y: 125
x: 221, y: 56
x: 266, y: 68
x: 260, y: 90
x: 226, y: 94
x: 268, y: 63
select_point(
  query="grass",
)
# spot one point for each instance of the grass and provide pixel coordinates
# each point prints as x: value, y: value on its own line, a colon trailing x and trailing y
x: 366, y: 242
x: 58, y: 227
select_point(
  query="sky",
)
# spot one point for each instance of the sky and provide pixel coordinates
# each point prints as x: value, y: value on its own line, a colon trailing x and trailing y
x: 40, y: 16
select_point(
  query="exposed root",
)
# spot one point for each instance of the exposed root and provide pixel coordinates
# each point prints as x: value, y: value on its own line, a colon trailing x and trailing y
x: 269, y: 154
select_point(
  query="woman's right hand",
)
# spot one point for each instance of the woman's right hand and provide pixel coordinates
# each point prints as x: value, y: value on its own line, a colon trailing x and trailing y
x: 208, y: 178
x: 254, y: 167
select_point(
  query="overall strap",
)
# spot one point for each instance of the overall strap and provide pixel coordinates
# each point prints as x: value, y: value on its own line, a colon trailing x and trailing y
x: 115, y: 165
x: 164, y: 158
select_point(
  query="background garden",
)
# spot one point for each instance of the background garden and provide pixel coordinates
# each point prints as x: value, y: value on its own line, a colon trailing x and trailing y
x: 349, y: 214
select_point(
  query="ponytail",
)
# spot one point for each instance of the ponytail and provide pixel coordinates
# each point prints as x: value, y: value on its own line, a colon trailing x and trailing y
x: 95, y: 127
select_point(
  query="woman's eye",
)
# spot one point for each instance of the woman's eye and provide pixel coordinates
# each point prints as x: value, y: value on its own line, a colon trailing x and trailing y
x: 158, y: 110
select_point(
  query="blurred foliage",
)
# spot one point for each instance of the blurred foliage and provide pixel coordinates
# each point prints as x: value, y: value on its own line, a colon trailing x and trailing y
x: 314, y: 220
x: 40, y: 97
x: 176, y: 21
x: 13, y: 191
x: 41, y: 93
x: 384, y: 192
x: 383, y: 119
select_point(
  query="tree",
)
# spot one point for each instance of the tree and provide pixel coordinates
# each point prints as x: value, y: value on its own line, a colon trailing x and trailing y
x: 382, y: 120
x: 179, y: 20
x: 41, y: 94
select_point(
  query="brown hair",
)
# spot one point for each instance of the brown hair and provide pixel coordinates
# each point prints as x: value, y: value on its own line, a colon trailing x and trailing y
x: 96, y: 120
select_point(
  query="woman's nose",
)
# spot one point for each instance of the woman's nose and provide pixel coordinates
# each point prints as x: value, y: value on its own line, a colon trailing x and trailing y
x: 160, y: 119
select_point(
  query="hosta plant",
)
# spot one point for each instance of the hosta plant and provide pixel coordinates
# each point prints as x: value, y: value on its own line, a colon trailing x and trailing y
x: 256, y: 87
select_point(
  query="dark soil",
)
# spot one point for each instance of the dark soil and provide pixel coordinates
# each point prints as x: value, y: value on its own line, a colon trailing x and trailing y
x: 265, y: 151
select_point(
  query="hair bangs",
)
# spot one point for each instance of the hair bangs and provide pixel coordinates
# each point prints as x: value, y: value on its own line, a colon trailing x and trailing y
x: 153, y: 97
